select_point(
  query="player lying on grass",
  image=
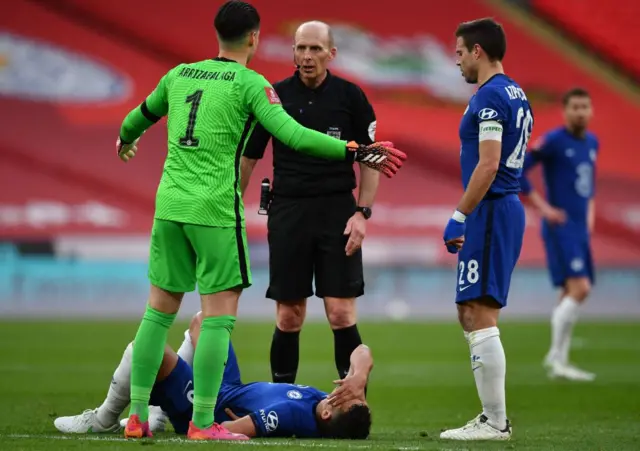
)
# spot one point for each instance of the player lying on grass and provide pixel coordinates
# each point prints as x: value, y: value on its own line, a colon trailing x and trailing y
x: 198, y: 236
x: 258, y: 409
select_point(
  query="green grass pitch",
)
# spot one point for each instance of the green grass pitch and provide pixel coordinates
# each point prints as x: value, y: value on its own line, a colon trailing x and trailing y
x: 421, y: 383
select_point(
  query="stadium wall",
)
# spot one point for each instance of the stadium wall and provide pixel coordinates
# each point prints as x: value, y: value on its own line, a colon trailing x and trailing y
x: 49, y: 286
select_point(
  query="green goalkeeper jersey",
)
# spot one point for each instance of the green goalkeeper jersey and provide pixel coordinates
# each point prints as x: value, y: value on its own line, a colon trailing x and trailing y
x: 211, y: 108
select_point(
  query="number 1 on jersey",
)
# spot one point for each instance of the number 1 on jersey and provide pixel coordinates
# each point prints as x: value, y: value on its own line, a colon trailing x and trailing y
x: 188, y: 139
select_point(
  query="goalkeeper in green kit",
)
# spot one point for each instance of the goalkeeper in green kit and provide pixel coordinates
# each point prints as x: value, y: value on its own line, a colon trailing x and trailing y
x: 198, y: 231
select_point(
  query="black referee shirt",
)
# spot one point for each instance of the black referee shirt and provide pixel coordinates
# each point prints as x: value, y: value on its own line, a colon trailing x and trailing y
x: 338, y: 108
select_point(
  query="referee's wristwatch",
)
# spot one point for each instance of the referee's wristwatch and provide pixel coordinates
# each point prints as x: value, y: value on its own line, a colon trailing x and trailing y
x: 366, y: 211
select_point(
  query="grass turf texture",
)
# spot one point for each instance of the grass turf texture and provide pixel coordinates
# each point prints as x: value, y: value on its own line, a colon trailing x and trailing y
x: 421, y: 383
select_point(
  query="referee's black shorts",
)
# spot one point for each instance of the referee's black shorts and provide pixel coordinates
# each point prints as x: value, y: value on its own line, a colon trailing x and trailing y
x: 306, y: 239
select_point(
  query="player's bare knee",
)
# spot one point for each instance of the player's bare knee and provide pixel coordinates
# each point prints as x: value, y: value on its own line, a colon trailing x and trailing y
x: 290, y: 315
x: 465, y: 317
x: 579, y: 288
x: 341, y: 313
x: 478, y: 314
x: 221, y: 303
x: 164, y: 301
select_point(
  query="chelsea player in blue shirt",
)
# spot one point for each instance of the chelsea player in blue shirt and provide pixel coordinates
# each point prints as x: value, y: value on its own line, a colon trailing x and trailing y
x: 568, y: 156
x: 487, y: 227
x: 257, y: 409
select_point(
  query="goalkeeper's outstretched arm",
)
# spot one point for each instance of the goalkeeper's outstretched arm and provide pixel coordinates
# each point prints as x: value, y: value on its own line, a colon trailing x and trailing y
x: 137, y: 122
x: 265, y: 105
x: 154, y: 107
x: 263, y: 102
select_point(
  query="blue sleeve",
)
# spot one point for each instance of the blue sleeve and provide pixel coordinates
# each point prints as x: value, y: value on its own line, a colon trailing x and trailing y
x: 276, y: 420
x: 595, y: 160
x: 541, y: 150
x: 490, y: 105
x: 285, y: 419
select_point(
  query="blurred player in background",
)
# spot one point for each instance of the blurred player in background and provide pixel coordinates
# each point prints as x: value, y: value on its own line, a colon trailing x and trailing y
x: 199, y: 229
x: 257, y: 409
x: 487, y: 228
x: 316, y: 227
x: 568, y: 156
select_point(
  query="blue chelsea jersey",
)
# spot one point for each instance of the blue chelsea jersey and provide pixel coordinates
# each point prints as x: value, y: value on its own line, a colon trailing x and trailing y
x: 499, y: 99
x: 568, y: 163
x: 277, y: 410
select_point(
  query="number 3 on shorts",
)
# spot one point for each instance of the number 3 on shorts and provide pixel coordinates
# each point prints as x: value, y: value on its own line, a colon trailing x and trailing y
x: 471, y: 275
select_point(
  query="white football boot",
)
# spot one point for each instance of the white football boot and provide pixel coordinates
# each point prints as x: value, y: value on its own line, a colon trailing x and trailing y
x: 557, y: 370
x: 157, y: 419
x: 477, y: 429
x: 85, y: 423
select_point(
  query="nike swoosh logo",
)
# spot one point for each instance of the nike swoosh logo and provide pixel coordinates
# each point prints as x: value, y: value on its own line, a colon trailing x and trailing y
x: 282, y: 374
x: 464, y: 288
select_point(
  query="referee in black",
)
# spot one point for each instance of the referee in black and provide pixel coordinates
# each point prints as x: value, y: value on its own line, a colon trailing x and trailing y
x: 315, y: 226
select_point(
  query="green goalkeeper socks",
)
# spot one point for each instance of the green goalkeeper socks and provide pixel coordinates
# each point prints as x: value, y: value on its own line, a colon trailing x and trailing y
x: 148, y: 350
x: 208, y: 366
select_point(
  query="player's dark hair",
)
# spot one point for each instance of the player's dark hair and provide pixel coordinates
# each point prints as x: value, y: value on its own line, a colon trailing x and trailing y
x: 487, y: 33
x: 574, y: 92
x: 354, y: 424
x: 236, y: 19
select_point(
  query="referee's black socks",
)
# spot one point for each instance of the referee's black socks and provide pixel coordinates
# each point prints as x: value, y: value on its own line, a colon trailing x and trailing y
x: 285, y: 355
x: 346, y: 340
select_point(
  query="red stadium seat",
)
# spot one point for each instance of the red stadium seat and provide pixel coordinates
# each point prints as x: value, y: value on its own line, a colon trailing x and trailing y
x: 64, y: 150
x: 611, y: 28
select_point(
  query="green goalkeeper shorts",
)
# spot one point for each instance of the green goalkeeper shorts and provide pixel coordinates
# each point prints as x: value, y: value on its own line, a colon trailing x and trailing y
x: 217, y: 258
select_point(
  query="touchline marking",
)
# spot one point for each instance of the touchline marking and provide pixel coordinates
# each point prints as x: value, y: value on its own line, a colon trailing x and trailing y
x: 254, y: 442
